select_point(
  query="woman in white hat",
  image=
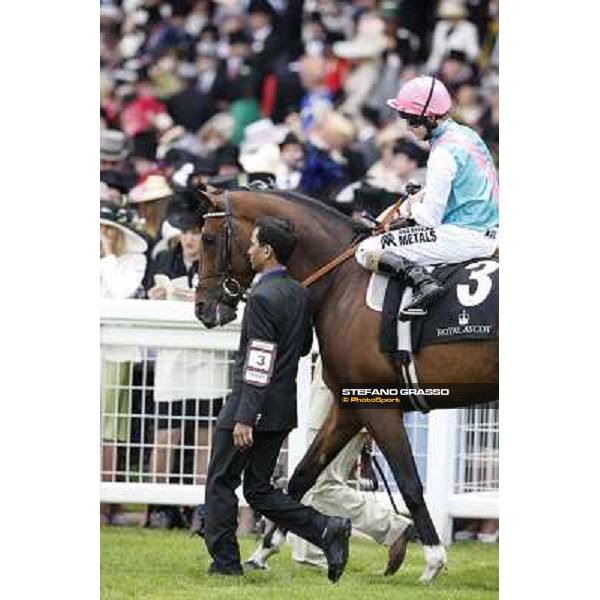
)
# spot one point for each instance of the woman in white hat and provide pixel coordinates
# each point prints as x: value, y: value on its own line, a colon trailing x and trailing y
x: 122, y: 258
x: 452, y: 32
x: 122, y: 267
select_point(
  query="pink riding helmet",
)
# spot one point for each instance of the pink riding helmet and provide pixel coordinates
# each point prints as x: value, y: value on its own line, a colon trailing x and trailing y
x: 417, y: 94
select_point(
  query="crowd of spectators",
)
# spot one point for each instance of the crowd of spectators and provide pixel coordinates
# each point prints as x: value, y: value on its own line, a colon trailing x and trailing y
x: 294, y: 88
x: 286, y: 93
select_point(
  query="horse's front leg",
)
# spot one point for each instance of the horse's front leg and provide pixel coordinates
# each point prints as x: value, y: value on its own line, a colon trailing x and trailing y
x: 338, y: 429
x: 387, y: 428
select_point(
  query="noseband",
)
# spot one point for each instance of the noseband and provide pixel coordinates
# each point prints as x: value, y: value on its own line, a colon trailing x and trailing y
x: 232, y: 290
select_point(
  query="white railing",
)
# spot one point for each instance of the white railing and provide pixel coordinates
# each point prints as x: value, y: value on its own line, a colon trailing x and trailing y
x: 456, y: 450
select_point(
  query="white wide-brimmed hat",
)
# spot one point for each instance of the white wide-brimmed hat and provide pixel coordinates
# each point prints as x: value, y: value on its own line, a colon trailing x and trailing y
x: 264, y: 158
x: 113, y: 216
x: 452, y: 9
x: 260, y: 132
x: 369, y: 42
x: 360, y: 48
x: 154, y: 187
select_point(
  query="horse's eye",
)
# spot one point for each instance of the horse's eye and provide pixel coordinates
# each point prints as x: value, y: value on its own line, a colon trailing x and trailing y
x: 208, y: 238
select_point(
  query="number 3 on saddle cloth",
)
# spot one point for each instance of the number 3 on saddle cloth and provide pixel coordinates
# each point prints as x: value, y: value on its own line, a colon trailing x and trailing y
x: 467, y: 311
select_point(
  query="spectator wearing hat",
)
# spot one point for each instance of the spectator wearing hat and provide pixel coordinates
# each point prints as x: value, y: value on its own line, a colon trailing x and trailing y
x: 242, y: 80
x: 456, y: 70
x: 452, y: 32
x: 116, y: 169
x: 151, y: 198
x: 211, y: 78
x: 370, y: 201
x: 289, y: 173
x: 228, y: 160
x: 117, y: 186
x: 364, y: 53
x: 113, y: 149
x: 267, y: 40
x: 143, y: 153
x: 259, y: 150
x: 122, y: 267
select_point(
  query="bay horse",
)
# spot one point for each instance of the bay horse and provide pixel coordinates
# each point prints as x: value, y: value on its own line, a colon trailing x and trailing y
x: 347, y: 332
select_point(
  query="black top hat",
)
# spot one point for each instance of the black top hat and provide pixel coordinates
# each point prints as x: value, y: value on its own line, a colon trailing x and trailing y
x: 239, y: 36
x: 116, y: 180
x: 183, y: 211
x: 229, y: 154
x: 411, y: 150
x: 290, y: 138
x: 261, y: 6
x: 457, y: 55
x: 144, y: 144
x: 373, y: 200
x: 175, y: 157
x: 204, y: 165
x: 211, y: 29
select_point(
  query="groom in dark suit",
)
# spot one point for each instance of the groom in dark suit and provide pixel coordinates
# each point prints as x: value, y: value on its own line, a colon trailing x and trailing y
x: 261, y: 411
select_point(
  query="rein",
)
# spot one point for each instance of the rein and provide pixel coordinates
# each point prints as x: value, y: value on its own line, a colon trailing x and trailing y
x: 348, y: 252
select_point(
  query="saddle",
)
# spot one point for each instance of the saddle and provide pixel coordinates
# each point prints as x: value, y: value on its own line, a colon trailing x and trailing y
x: 467, y: 311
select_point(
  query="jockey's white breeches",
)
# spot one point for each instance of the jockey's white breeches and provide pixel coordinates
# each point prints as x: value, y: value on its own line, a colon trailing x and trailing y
x: 429, y: 245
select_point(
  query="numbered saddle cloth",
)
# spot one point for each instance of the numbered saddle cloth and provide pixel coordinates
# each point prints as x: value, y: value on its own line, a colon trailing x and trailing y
x: 467, y: 311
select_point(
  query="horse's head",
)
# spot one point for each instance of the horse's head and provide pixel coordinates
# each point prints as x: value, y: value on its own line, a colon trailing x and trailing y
x: 224, y: 270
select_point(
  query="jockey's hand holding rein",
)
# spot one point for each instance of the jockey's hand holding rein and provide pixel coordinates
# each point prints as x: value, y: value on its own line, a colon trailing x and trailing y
x: 405, y: 210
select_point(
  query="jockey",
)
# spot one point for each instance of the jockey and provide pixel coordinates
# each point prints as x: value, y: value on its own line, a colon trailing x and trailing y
x: 456, y: 214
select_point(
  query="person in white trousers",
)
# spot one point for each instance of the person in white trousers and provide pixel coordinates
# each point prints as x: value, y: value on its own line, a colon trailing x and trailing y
x: 332, y: 495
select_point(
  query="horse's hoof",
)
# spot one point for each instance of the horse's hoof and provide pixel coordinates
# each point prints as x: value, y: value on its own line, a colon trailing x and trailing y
x: 253, y: 565
x: 397, y: 552
x: 435, y: 561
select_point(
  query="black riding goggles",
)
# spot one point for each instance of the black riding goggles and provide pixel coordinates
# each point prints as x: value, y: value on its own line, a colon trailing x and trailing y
x: 412, y: 120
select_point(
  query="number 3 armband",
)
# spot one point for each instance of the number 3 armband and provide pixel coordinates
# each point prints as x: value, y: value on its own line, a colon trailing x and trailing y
x: 260, y: 361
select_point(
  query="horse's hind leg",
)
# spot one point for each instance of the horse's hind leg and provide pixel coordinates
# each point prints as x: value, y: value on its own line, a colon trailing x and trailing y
x: 338, y: 429
x: 387, y: 428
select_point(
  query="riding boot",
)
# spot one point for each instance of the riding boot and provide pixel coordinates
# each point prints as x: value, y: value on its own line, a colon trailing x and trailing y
x: 426, y: 289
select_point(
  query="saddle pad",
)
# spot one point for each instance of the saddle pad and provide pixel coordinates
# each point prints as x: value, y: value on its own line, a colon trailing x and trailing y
x: 375, y: 295
x: 468, y: 310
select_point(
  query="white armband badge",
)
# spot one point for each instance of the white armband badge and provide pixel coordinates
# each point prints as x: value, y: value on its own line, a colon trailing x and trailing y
x: 260, y: 361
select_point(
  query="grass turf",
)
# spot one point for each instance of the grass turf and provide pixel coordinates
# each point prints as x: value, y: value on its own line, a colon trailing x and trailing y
x: 152, y: 564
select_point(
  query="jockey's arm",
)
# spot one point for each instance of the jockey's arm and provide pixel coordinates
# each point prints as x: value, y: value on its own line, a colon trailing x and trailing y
x: 441, y: 170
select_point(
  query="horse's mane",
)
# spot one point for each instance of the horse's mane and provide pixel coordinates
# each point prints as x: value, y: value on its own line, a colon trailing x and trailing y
x: 318, y: 206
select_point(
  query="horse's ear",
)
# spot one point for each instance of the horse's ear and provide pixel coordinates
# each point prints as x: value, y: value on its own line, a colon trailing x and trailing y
x: 207, y: 199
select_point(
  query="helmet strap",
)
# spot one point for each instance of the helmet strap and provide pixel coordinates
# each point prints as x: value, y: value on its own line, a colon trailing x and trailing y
x: 430, y: 124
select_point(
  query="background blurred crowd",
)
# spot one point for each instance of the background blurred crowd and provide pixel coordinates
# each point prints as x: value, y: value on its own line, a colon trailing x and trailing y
x: 291, y: 92
x: 282, y: 93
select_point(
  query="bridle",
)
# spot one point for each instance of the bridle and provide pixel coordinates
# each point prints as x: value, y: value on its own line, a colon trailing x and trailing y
x: 232, y: 291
